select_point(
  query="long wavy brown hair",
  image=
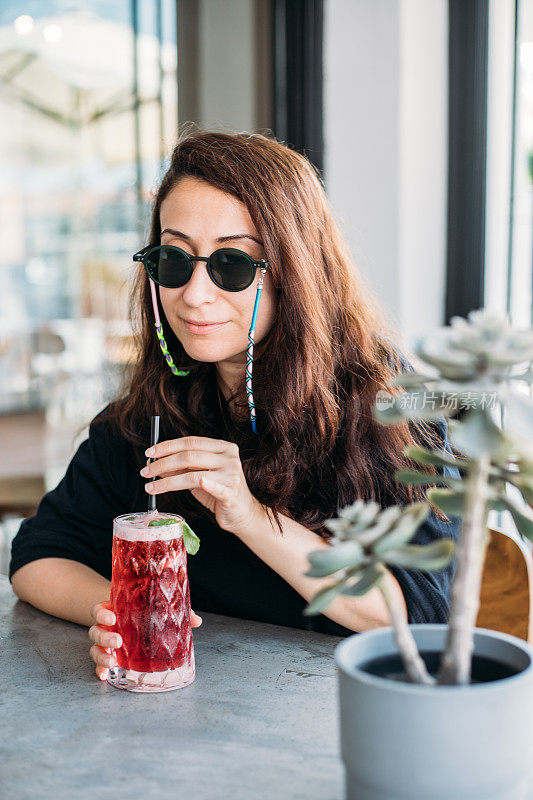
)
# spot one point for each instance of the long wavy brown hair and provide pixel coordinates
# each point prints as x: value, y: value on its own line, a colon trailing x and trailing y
x: 316, y: 373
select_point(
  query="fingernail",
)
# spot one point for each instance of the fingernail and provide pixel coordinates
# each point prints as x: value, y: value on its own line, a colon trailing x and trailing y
x: 115, y: 641
x: 149, y: 487
x: 149, y: 452
x: 145, y: 471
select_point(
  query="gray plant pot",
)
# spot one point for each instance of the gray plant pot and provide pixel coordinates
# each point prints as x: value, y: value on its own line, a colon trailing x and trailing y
x: 405, y: 741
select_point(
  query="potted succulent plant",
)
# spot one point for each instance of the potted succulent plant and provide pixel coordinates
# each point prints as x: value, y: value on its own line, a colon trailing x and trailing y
x: 429, y: 711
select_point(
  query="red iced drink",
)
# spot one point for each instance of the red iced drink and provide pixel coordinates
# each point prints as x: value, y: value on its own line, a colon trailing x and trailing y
x: 150, y: 597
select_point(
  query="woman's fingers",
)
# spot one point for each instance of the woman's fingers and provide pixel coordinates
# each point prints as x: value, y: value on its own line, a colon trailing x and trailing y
x: 178, y: 462
x: 105, y: 638
x: 105, y: 641
x: 102, y: 613
x: 196, y: 621
x: 104, y: 616
x: 99, y: 656
x: 102, y: 673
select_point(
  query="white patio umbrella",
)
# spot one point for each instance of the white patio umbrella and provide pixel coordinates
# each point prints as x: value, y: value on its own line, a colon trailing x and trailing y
x: 75, y: 71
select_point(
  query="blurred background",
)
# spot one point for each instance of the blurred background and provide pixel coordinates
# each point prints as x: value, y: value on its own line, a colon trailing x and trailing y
x: 418, y: 113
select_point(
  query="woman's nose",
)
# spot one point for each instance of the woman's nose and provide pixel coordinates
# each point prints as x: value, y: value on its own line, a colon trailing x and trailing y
x: 200, y: 286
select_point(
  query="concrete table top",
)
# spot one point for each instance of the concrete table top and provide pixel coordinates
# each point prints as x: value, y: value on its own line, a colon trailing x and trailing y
x: 258, y: 723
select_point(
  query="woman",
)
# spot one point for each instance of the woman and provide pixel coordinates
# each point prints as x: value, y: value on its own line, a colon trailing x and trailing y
x: 266, y: 424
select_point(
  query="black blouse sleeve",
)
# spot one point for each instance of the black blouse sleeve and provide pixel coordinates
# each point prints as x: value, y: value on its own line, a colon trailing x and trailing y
x: 74, y: 520
x: 427, y: 594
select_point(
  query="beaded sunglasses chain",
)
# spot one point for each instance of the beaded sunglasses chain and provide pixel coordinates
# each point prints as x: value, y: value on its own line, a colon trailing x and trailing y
x: 249, y: 350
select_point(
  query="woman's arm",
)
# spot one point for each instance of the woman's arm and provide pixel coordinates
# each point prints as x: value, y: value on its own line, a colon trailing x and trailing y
x: 61, y: 556
x: 63, y: 588
x: 287, y: 555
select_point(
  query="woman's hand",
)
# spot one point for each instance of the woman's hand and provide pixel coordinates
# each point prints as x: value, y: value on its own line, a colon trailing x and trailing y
x: 106, y: 640
x: 212, y: 470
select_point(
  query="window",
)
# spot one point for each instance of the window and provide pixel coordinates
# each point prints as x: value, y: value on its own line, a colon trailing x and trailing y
x: 89, y: 93
x: 509, y: 211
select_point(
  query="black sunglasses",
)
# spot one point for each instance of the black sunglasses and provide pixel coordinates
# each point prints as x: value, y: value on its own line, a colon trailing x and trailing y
x: 171, y: 267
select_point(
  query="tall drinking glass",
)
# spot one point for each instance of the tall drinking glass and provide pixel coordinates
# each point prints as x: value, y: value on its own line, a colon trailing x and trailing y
x: 150, y: 598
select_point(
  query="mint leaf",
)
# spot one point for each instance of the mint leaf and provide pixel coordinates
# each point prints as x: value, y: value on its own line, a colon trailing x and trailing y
x: 190, y: 540
x: 129, y: 519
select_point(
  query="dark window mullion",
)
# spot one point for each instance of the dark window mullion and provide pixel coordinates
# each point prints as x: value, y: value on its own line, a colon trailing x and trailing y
x: 298, y: 75
x: 510, y: 242
x: 468, y: 76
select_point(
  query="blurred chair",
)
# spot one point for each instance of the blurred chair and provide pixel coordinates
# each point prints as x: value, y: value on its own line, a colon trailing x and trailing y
x: 22, y: 463
x: 47, y: 349
x: 69, y: 355
x: 19, y: 498
x: 47, y: 366
x: 21, y: 495
x: 506, y: 600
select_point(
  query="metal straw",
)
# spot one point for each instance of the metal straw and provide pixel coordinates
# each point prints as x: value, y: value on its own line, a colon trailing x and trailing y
x: 154, y: 438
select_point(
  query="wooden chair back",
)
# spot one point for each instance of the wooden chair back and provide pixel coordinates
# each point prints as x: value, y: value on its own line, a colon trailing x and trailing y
x: 506, y: 600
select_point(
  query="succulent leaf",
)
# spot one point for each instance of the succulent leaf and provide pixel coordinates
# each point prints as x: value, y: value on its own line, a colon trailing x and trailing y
x: 360, y: 514
x: 385, y: 521
x: 519, y: 420
x: 410, y: 380
x: 478, y: 435
x: 436, y: 458
x: 426, y: 557
x: 324, y: 597
x: 330, y: 559
x: 414, y: 478
x: 404, y: 529
x: 448, y: 500
x: 522, y: 516
x: 371, y: 577
x: 480, y: 349
x: 405, y: 407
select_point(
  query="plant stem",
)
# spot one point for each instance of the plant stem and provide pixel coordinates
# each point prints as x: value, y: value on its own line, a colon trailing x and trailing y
x: 456, y: 662
x: 413, y: 664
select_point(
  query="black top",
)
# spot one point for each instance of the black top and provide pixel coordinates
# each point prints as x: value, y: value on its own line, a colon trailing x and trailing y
x: 74, y: 521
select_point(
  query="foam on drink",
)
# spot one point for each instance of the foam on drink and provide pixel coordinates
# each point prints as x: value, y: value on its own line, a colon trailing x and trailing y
x: 136, y: 527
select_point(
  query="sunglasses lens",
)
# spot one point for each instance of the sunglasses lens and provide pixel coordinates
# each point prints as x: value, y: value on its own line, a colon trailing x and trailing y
x: 231, y: 270
x: 168, y: 267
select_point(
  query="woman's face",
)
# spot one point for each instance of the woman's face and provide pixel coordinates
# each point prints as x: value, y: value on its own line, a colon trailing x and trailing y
x: 199, y: 218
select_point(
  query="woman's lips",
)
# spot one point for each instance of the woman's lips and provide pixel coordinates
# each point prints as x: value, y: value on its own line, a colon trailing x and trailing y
x: 203, y: 329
